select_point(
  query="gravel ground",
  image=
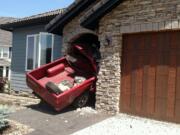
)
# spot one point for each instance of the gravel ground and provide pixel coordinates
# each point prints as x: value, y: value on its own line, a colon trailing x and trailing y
x: 45, y: 121
x: 17, y: 102
x: 86, y: 111
x: 17, y: 129
x: 130, y: 125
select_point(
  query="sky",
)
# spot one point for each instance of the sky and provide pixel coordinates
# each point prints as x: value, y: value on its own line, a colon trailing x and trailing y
x: 23, y: 8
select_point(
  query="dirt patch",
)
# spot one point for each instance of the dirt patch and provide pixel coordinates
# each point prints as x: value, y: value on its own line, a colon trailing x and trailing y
x: 16, y: 128
x: 17, y: 102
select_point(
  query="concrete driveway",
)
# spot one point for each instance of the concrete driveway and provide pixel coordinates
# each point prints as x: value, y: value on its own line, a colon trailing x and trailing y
x: 47, y: 122
x: 123, y: 124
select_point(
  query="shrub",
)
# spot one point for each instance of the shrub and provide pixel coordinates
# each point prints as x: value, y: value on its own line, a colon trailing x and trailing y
x: 3, y: 82
x: 4, y: 112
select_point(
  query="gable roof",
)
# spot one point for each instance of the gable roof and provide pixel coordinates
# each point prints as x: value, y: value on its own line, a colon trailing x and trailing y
x: 6, y: 19
x: 89, y: 20
x: 42, y: 18
x: 92, y: 16
x: 57, y: 24
x: 5, y: 36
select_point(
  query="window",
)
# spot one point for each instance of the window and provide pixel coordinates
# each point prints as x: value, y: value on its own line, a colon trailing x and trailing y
x: 30, y: 52
x: 10, y: 52
x: 46, y: 41
x: 4, y: 72
x: 4, y: 52
x: 1, y: 51
x: 7, y: 72
x: 38, y: 50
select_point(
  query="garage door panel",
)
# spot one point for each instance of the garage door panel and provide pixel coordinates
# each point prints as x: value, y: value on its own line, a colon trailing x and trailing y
x: 178, y: 82
x: 151, y: 86
x: 126, y: 102
x: 160, y: 108
x: 172, y: 84
x: 144, y: 104
x: 175, y: 40
x: 177, y: 110
x: 161, y: 85
x: 150, y: 109
x: 133, y: 85
x: 153, y: 69
x: 177, y: 102
x: 167, y: 41
x: 160, y: 43
x: 126, y: 81
x: 148, y: 39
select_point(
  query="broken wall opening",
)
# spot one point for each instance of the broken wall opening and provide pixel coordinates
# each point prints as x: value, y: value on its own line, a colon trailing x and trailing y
x: 91, y: 43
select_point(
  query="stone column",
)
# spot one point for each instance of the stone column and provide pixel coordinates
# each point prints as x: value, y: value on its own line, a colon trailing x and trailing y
x: 108, y: 84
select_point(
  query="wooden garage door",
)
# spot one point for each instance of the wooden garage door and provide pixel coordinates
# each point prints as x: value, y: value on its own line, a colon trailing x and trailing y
x: 150, y: 83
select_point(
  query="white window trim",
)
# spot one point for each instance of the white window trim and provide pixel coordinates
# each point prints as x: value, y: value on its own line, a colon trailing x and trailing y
x: 2, y: 52
x: 7, y: 53
x: 34, y: 35
x: 52, y: 45
x: 39, y: 51
x: 4, y: 72
x: 39, y: 46
x: 52, y: 53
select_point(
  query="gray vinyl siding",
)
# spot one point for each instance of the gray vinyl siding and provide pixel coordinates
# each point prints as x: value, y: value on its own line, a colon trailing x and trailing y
x: 18, y: 82
x: 57, y: 47
x: 19, y: 46
x: 18, y: 63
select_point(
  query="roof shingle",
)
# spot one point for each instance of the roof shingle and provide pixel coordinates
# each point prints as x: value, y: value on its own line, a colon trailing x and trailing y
x: 5, y: 36
x: 92, y: 16
x: 42, y: 18
x: 57, y: 24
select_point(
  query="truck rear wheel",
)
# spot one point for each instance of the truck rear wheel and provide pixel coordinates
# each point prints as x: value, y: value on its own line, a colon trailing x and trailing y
x: 82, y: 100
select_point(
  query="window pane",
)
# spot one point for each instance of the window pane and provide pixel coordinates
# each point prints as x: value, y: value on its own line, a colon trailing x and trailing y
x: 1, y: 71
x: 37, y: 51
x: 1, y: 52
x: 7, y: 72
x: 10, y: 52
x: 46, y: 48
x: 30, y: 53
x: 5, y: 52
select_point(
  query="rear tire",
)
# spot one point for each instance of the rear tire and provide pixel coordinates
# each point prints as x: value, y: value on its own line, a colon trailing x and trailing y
x: 82, y: 100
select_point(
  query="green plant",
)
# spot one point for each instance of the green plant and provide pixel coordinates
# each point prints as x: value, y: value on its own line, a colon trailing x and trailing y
x: 4, y: 112
x: 2, y: 84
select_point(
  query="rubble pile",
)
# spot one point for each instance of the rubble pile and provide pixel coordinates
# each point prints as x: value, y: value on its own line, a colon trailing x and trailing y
x: 86, y: 110
x: 66, y: 84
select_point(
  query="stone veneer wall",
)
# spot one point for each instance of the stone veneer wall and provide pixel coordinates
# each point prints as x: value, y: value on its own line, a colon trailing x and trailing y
x: 129, y: 17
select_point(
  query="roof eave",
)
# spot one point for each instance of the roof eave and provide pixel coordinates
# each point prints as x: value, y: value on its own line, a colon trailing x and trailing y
x: 57, y: 24
x: 6, y: 28
x: 37, y: 21
x: 93, y: 19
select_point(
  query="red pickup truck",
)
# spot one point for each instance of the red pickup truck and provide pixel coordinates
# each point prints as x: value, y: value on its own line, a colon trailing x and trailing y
x: 65, y: 81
